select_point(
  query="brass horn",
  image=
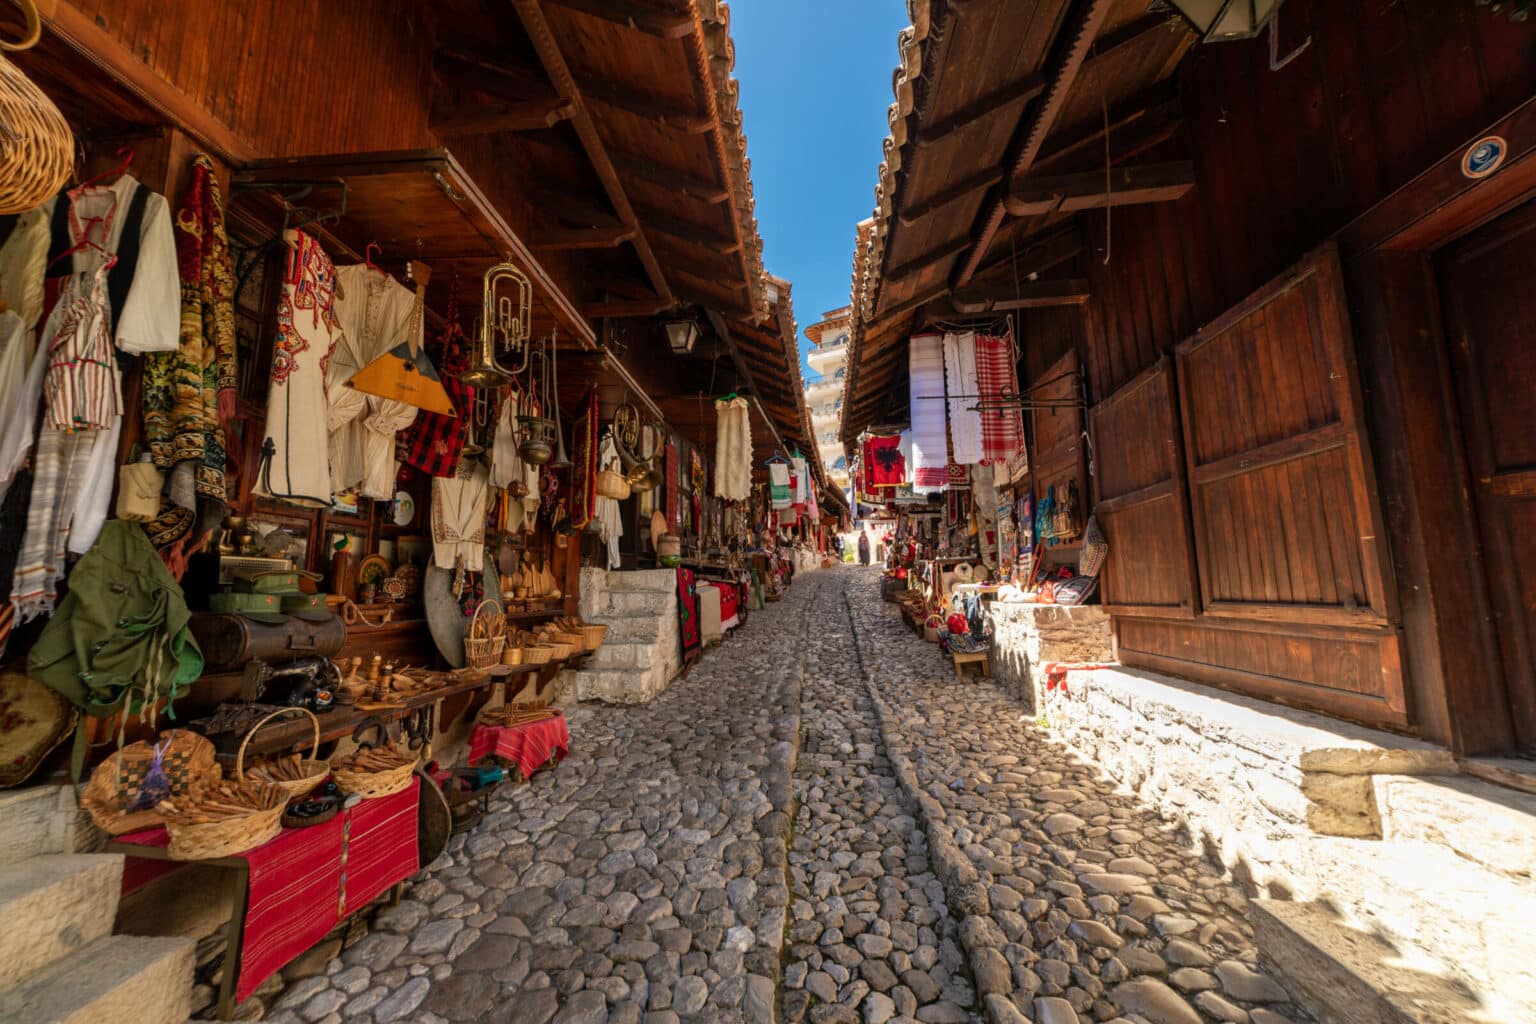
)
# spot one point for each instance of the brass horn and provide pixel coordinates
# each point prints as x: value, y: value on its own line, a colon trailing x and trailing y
x: 500, y: 320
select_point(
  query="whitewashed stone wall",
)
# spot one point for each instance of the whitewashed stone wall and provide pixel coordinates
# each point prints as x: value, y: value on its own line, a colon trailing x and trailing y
x: 1304, y: 807
x: 1030, y: 635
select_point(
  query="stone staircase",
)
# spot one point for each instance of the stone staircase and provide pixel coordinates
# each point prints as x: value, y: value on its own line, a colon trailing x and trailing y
x: 59, y: 961
x: 640, y: 655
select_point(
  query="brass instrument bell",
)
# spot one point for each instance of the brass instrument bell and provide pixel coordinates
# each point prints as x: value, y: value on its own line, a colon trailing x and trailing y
x: 502, y: 319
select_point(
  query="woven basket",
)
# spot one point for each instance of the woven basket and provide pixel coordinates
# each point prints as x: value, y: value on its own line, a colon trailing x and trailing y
x: 611, y: 483
x: 512, y: 655
x: 371, y: 784
x: 188, y: 762
x: 575, y: 638
x: 593, y: 635
x: 538, y: 654
x: 484, y: 652
x: 560, y: 650
x: 36, y: 159
x: 229, y: 836
x: 314, y: 770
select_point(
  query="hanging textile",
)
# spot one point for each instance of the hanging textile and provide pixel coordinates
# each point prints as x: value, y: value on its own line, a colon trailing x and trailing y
x: 688, y: 615
x: 458, y: 520
x: 930, y: 445
x: 733, y: 450
x: 294, y: 463
x: 797, y: 483
x: 584, y: 464
x: 376, y: 313
x: 986, y: 515
x: 189, y: 394
x: 1002, y: 430
x: 960, y: 379
x: 610, y: 522
x: 23, y: 264
x: 434, y: 441
x: 673, y: 467
x: 885, y: 467
x: 779, y: 495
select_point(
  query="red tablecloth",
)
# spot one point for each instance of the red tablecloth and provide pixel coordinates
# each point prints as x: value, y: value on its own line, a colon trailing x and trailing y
x: 730, y: 605
x: 306, y: 879
x: 528, y: 746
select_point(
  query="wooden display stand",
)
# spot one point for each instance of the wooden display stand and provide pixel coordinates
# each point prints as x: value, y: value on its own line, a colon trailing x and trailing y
x: 963, y: 658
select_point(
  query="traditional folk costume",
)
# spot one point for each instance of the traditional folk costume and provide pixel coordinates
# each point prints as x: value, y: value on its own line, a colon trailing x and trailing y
x: 294, y: 464
x: 733, y: 450
x: 458, y: 520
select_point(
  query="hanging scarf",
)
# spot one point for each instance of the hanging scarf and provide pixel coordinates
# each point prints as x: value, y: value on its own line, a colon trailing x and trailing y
x: 584, y: 467
x: 779, y: 496
x: 189, y: 394
x: 1002, y: 430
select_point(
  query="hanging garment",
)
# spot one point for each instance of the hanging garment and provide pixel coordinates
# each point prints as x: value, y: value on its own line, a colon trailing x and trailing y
x: 778, y: 485
x: 986, y: 515
x: 294, y: 462
x: 673, y: 468
x: 434, y: 442
x: 133, y: 224
x: 960, y: 379
x: 1002, y: 430
x: 610, y: 522
x: 80, y: 384
x: 458, y: 520
x: 375, y: 313
x: 930, y: 446
x: 60, y: 466
x: 798, y: 482
x: 584, y: 464
x: 733, y: 450
x: 885, y: 467
x: 190, y: 393
x: 23, y: 262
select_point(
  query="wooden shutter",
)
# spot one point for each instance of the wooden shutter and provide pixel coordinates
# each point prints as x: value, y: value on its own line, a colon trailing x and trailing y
x: 1286, y: 522
x: 1141, y: 499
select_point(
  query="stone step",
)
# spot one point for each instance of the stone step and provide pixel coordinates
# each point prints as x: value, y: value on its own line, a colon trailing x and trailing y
x: 39, y: 820
x: 52, y: 906
x: 639, y: 629
x: 630, y: 601
x: 117, y: 979
x: 620, y: 686
x: 655, y: 581
x: 630, y: 655
x: 1346, y: 976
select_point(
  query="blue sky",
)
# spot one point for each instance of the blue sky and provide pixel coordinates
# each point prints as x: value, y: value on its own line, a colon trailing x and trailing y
x: 815, y: 85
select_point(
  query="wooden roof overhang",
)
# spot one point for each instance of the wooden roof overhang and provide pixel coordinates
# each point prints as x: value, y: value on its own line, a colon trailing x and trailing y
x: 1003, y: 112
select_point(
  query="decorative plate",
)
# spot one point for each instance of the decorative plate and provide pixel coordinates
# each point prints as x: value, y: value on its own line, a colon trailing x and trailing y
x: 394, y: 588
x: 374, y: 569
x: 405, y: 508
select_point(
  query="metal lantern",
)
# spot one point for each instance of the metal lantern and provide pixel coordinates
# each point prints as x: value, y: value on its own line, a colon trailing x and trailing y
x: 681, y: 334
x: 1222, y: 20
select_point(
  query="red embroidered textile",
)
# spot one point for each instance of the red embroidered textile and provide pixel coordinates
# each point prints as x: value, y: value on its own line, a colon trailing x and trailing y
x: 885, y: 466
x: 528, y: 746
x: 306, y: 879
x: 434, y: 442
x: 1002, y: 430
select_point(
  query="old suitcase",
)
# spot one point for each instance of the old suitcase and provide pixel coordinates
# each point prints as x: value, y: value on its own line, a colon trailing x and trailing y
x: 229, y: 641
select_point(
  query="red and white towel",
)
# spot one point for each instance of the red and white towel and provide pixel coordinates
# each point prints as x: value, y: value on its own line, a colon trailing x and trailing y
x: 1002, y: 430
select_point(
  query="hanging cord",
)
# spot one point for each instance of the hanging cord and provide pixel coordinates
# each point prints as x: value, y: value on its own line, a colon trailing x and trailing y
x: 1109, y: 183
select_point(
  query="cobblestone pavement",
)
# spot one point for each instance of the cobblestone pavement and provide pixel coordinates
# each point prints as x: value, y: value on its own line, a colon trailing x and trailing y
x: 817, y: 824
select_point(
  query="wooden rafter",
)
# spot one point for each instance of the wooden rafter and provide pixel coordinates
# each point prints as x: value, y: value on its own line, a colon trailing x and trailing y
x: 621, y: 308
x: 606, y: 237
x: 1135, y: 125
x: 910, y: 213
x: 688, y: 231
x: 1025, y: 295
x: 657, y: 109
x: 667, y: 178
x: 543, y: 38
x: 991, y: 103
x: 653, y: 21
x: 465, y: 70
x: 495, y: 118
x: 930, y: 258
x: 1121, y: 186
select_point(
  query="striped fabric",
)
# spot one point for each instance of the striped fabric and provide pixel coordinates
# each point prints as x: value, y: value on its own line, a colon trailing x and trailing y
x: 960, y: 377
x: 1002, y: 430
x: 930, y: 445
x: 80, y: 387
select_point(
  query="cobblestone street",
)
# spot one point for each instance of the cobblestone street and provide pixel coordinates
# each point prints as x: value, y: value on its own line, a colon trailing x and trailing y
x: 815, y: 825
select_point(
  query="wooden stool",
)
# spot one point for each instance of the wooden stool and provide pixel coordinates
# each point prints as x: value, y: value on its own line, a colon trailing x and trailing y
x: 972, y: 658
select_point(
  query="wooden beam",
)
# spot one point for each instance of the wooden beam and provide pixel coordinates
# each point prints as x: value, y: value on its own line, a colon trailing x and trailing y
x: 931, y: 258
x: 909, y: 213
x: 606, y: 237
x: 653, y: 21
x: 548, y: 49
x: 1025, y: 295
x: 687, y: 231
x: 465, y: 70
x: 574, y: 211
x: 1036, y: 254
x: 657, y: 109
x: 986, y: 106
x: 667, y: 178
x: 621, y: 308
x: 496, y: 118
x: 1126, y: 186
x: 1151, y: 116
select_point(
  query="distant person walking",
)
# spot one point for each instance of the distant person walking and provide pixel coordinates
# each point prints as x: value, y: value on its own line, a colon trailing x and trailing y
x: 863, y: 548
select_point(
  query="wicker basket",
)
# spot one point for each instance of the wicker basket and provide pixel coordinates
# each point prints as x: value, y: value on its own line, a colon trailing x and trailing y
x: 559, y: 650
x: 313, y: 770
x: 538, y: 654
x: 483, y: 652
x: 188, y: 761
x: 593, y: 635
x: 194, y: 840
x: 575, y: 638
x: 37, y: 158
x: 371, y: 784
x: 511, y: 655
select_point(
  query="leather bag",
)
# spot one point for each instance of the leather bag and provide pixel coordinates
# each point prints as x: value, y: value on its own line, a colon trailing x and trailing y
x: 230, y: 641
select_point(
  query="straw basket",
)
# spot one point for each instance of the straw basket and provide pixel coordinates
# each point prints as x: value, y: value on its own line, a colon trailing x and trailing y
x: 592, y: 635
x: 187, y: 761
x: 511, y: 655
x: 559, y: 649
x: 538, y: 654
x: 484, y: 650
x: 36, y: 160
x: 611, y: 483
x: 230, y: 834
x: 312, y: 770
x: 368, y: 782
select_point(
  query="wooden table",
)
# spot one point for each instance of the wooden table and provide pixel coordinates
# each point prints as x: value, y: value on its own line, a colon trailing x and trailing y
x: 962, y: 658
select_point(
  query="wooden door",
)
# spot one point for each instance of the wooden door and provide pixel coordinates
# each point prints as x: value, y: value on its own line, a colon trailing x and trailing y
x: 1490, y: 311
x: 1286, y: 523
x: 1056, y: 430
x: 1141, y: 498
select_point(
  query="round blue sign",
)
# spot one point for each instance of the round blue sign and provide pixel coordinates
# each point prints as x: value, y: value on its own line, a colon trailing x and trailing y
x: 1484, y: 157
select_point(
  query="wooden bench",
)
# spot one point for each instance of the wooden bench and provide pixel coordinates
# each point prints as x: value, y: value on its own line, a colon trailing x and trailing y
x: 962, y: 659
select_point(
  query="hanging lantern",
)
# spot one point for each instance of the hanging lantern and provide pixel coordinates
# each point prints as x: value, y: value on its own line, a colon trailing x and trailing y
x: 681, y: 334
x: 1219, y: 21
